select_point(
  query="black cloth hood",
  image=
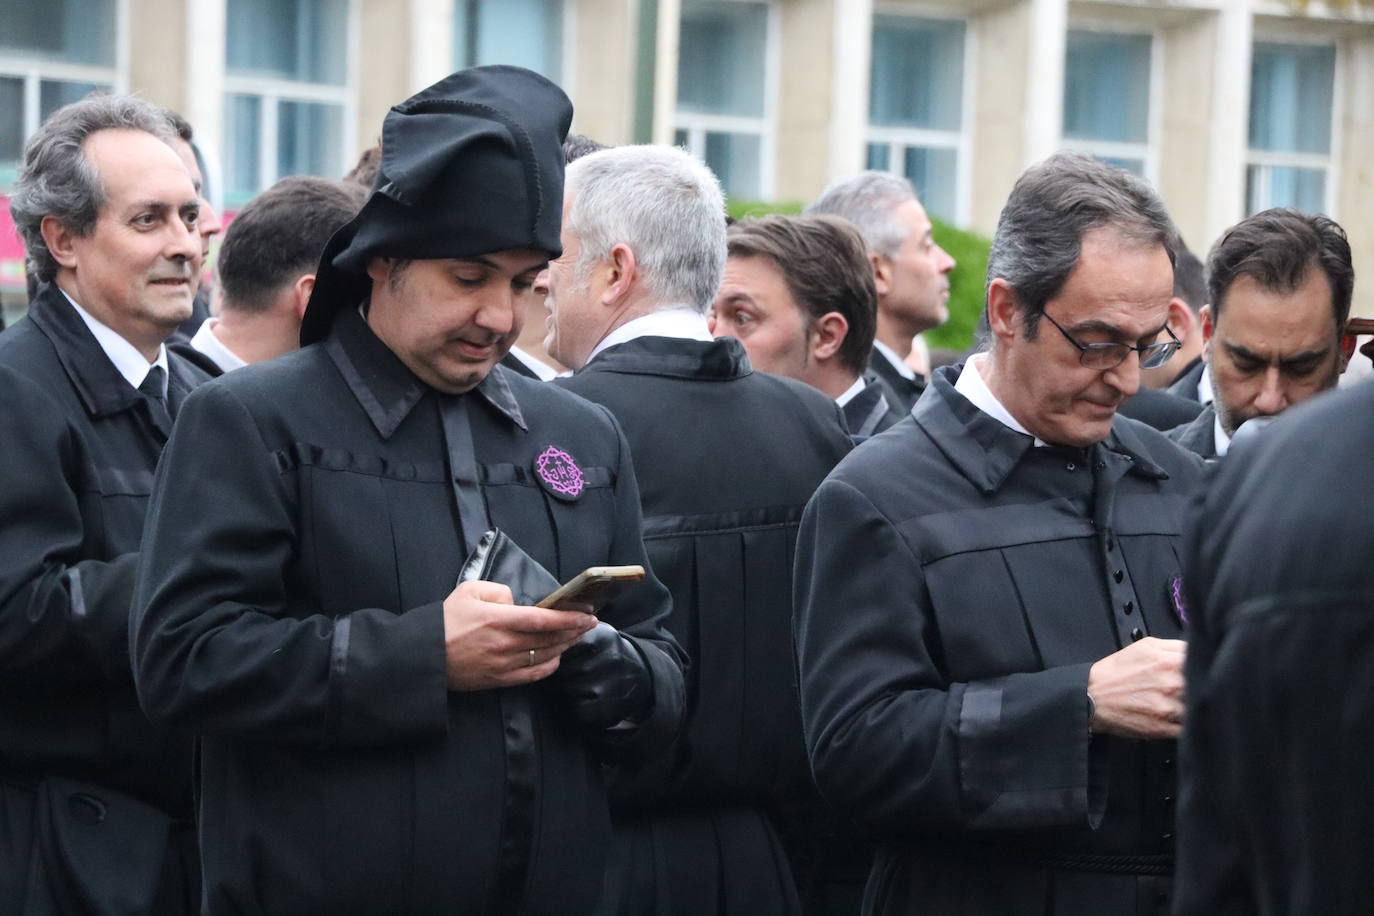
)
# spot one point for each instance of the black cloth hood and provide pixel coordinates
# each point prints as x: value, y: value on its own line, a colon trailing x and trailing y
x: 471, y: 165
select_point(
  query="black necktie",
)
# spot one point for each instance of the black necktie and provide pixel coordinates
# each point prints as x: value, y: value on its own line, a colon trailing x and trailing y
x: 152, y: 389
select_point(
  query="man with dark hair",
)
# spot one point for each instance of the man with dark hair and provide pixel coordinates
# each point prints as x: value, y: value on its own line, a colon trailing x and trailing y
x: 267, y: 271
x: 727, y: 457
x: 364, y: 172
x: 1283, y: 282
x: 1190, y: 295
x: 209, y: 223
x: 910, y: 270
x: 798, y: 293
x: 990, y: 662
x: 382, y: 724
x: 95, y: 802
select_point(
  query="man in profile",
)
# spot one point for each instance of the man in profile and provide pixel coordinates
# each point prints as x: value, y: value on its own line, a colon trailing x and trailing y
x: 910, y: 271
x: 1280, y: 284
x: 798, y: 293
x: 267, y: 272
x: 383, y: 724
x: 990, y: 659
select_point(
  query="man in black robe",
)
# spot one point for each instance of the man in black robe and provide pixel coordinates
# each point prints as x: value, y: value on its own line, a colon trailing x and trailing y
x: 727, y: 458
x: 990, y: 660
x: 1280, y: 284
x: 798, y: 293
x: 1275, y: 800
x: 95, y: 802
x: 371, y: 737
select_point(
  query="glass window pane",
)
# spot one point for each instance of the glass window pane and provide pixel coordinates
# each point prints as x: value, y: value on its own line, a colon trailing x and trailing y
x: 309, y: 139
x: 1277, y: 186
x: 735, y: 160
x: 1107, y: 87
x: 1135, y: 166
x: 75, y: 31
x: 934, y: 173
x: 1290, y: 97
x: 526, y: 33
x: 878, y: 155
x: 11, y: 128
x: 681, y: 139
x: 302, y: 40
x: 243, y: 148
x: 721, y: 56
x: 917, y: 73
x: 53, y: 94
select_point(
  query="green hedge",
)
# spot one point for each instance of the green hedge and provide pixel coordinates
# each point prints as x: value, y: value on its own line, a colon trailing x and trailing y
x: 969, y: 250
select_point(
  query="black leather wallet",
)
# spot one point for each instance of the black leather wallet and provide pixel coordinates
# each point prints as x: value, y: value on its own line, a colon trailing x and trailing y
x: 497, y: 558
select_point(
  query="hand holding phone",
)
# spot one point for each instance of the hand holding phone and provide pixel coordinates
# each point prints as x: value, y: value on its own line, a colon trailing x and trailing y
x: 593, y: 588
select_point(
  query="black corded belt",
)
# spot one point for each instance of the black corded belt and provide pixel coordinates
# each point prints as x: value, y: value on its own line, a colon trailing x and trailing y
x: 517, y: 725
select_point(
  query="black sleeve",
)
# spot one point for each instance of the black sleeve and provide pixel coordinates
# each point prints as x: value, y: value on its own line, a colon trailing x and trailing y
x: 63, y: 620
x: 892, y: 742
x: 217, y: 647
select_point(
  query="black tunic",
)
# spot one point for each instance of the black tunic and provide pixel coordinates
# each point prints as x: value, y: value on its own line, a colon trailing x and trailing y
x: 954, y: 586
x: 1200, y: 435
x: 1276, y: 800
x: 1159, y: 409
x: 903, y: 391
x: 303, y: 534
x: 78, y: 445
x: 869, y: 412
x: 726, y: 459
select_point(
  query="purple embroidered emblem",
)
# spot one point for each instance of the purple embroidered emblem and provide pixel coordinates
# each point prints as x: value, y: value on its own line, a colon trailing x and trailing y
x: 1176, y: 597
x: 560, y: 472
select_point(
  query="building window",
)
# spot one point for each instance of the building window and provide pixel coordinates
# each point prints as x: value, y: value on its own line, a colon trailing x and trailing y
x: 51, y: 53
x: 723, y: 81
x: 1107, y: 97
x: 287, y: 98
x: 526, y: 33
x: 1289, y: 159
x: 915, y: 106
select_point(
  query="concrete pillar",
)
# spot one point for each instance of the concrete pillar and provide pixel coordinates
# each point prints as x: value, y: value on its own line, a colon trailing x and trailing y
x: 1018, y: 98
x: 850, y: 71
x: 1354, y: 169
x: 1224, y: 191
x: 161, y: 48
x: 385, y: 71
x: 806, y: 102
x: 665, y: 69
x: 431, y: 56
x: 203, y: 105
x: 604, y: 94
x: 1189, y: 72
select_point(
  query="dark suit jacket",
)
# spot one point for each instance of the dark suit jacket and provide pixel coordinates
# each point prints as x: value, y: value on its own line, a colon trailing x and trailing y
x: 727, y: 458
x: 514, y: 364
x: 1276, y: 799
x: 904, y: 391
x: 1159, y: 409
x: 1185, y: 386
x: 870, y: 412
x: 201, y: 360
x: 1198, y: 436
x: 78, y: 447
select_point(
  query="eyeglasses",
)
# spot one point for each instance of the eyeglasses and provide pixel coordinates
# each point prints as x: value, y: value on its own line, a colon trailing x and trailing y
x: 1110, y: 355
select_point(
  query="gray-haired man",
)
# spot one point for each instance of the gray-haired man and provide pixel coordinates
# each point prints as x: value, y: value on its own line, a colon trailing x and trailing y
x: 910, y: 270
x: 96, y: 802
x: 988, y: 616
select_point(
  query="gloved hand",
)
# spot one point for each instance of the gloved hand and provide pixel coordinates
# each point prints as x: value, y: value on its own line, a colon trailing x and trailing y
x: 606, y: 681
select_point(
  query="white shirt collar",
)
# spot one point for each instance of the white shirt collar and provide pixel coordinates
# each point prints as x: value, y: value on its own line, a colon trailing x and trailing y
x: 1204, y: 385
x: 973, y: 387
x: 124, y: 355
x: 543, y: 370
x: 852, y: 392
x: 206, y: 342
x: 685, y: 323
x: 1223, y: 441
x: 906, y: 371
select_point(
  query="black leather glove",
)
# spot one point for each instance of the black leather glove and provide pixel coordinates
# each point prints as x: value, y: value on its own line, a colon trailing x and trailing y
x: 606, y: 682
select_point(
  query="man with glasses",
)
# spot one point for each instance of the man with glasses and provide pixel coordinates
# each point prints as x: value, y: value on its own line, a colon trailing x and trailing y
x: 989, y: 599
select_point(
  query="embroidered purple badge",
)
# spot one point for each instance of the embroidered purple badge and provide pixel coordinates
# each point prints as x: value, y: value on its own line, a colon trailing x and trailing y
x: 560, y: 472
x: 1176, y: 598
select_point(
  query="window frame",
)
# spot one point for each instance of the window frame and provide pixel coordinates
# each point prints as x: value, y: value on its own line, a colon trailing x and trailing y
x: 567, y: 44
x: 1148, y: 152
x: 34, y: 70
x: 1268, y: 159
x: 697, y: 125
x: 272, y: 91
x: 899, y: 139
